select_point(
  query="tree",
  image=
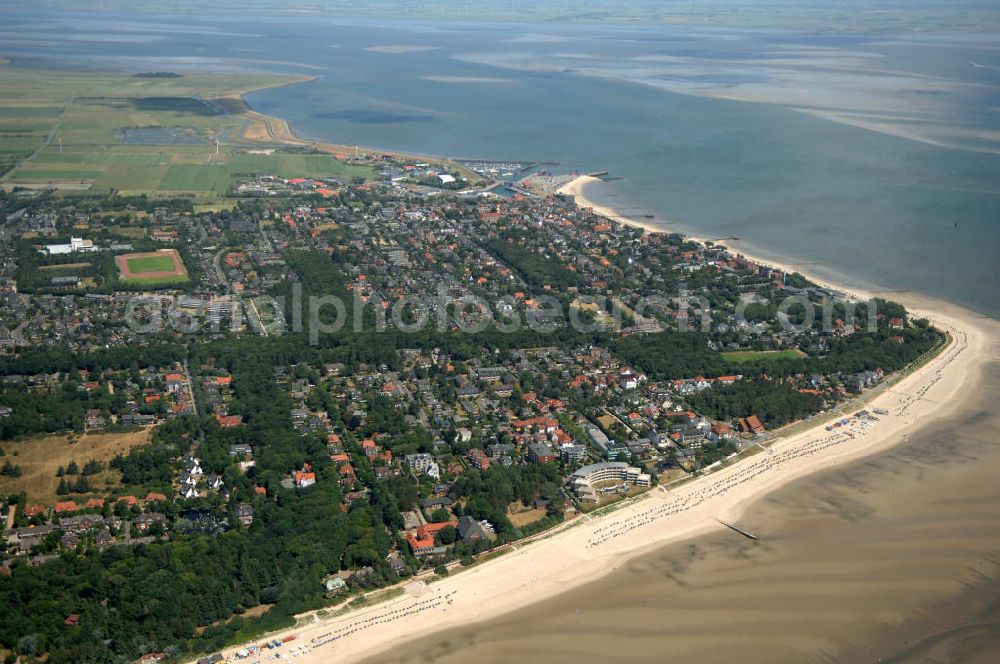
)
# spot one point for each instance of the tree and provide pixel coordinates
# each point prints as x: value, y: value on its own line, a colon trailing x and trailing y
x: 10, y: 470
x: 72, y: 468
x: 448, y: 535
x: 440, y: 515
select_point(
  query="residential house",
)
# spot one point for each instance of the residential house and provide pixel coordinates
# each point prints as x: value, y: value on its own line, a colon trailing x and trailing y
x: 470, y: 529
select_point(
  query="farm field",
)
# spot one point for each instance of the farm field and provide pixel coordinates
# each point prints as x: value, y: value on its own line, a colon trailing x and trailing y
x: 115, y: 132
x: 40, y: 458
x: 751, y: 355
x: 214, y: 179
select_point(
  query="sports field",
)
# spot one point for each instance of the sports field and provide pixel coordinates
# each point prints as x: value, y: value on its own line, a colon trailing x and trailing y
x: 161, y: 267
x: 146, y: 264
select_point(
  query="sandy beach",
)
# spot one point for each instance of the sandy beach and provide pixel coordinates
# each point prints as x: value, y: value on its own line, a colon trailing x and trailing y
x: 578, y: 189
x: 890, y: 557
x: 590, y: 547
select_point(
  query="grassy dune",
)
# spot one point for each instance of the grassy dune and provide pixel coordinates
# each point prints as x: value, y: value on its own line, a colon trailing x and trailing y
x: 40, y: 458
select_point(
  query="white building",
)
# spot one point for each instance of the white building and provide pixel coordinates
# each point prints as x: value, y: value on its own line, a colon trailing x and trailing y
x: 584, y: 479
x: 75, y: 244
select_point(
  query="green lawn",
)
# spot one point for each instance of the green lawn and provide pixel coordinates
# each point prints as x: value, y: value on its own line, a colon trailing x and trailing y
x: 151, y: 282
x: 150, y: 264
x: 751, y: 355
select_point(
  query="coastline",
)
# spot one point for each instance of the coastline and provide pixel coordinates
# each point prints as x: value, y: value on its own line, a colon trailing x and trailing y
x: 266, y: 129
x: 591, y: 547
x: 577, y: 189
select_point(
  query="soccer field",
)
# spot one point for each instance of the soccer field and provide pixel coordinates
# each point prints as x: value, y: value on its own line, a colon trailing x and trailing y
x: 150, y: 269
x: 146, y: 264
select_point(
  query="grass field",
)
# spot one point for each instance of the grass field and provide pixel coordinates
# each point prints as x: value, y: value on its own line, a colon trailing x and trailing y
x: 39, y: 458
x: 65, y: 266
x: 150, y: 264
x: 168, y: 280
x: 132, y: 232
x: 751, y: 355
x: 521, y: 516
x: 196, y: 178
x: 159, y: 268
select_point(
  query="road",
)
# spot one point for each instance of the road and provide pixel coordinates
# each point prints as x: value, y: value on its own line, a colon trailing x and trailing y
x: 256, y: 316
x: 219, y: 272
x: 190, y: 389
x: 48, y: 139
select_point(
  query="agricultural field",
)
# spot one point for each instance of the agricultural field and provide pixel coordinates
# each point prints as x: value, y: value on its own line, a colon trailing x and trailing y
x: 197, y: 178
x: 39, y: 458
x: 751, y: 355
x: 297, y: 165
x: 115, y: 132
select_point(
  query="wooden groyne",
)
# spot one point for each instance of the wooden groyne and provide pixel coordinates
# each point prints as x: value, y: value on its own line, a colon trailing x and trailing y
x: 734, y: 527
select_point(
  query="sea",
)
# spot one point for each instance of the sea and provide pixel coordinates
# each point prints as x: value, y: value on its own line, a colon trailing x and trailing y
x: 894, y: 558
x: 872, y: 159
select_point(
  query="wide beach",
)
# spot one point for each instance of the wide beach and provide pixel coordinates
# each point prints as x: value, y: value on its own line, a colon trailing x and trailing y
x: 591, y: 547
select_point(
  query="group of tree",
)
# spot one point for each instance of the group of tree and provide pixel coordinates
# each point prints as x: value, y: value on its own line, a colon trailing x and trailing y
x: 10, y: 470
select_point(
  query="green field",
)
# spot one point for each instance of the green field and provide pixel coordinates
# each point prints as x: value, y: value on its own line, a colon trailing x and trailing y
x: 296, y: 166
x: 191, y: 177
x: 154, y: 282
x: 751, y: 355
x: 46, y: 174
x: 150, y: 264
x: 151, y: 282
x: 22, y: 111
x: 70, y: 129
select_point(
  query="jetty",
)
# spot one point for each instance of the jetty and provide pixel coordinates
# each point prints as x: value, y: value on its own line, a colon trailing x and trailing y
x: 732, y: 526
